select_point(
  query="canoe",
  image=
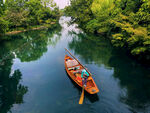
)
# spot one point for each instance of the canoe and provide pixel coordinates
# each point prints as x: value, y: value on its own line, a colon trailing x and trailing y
x: 74, y: 68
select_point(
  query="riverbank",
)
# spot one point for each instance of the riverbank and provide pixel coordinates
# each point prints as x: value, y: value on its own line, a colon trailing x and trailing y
x: 20, y: 31
x: 37, y: 27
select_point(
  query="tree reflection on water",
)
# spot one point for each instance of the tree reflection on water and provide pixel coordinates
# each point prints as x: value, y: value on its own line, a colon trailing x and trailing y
x: 132, y: 76
x: 28, y: 46
x: 11, y: 90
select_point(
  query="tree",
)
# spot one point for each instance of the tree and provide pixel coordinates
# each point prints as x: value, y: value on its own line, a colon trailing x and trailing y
x: 80, y: 11
x: 3, y: 25
x: 2, y: 7
x: 26, y: 13
x: 127, y: 22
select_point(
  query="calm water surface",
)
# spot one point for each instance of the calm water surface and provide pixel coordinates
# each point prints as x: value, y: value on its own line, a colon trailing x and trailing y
x: 33, y: 77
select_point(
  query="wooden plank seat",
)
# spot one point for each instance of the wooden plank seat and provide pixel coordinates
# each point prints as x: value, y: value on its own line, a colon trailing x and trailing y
x: 71, y: 63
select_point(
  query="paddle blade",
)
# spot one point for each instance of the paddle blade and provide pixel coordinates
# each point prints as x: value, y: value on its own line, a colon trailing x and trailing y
x: 82, y: 97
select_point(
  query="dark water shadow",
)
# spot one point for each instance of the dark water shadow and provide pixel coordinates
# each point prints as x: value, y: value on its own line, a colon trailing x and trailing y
x: 11, y: 90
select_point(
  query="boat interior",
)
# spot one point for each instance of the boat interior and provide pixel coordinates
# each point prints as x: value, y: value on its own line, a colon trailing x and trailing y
x: 75, y: 70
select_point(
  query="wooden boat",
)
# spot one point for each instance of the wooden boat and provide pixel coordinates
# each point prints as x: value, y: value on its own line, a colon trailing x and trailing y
x: 74, y: 68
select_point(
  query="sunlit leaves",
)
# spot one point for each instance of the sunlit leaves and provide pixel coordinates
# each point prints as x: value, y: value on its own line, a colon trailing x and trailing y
x: 138, y: 50
x: 102, y: 7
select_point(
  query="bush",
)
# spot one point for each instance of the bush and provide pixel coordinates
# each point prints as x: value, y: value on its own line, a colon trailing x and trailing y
x: 3, y: 26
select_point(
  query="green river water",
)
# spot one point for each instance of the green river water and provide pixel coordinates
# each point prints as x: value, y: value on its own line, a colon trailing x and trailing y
x: 33, y: 77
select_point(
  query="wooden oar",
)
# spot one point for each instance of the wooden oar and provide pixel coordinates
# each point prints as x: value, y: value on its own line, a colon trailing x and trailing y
x: 78, y: 61
x: 82, y: 96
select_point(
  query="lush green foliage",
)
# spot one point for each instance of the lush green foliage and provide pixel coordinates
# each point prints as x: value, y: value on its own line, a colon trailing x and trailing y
x: 25, y: 13
x: 80, y: 11
x: 2, y: 7
x: 126, y: 21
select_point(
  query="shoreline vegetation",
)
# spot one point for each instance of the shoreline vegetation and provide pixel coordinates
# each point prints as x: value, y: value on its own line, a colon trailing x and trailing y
x: 125, y: 22
x: 18, y: 16
x: 31, y: 28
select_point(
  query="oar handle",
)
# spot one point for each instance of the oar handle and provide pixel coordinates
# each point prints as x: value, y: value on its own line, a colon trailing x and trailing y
x: 82, y: 96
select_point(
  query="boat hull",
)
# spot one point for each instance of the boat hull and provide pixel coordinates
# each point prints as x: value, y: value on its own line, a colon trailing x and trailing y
x: 74, y: 71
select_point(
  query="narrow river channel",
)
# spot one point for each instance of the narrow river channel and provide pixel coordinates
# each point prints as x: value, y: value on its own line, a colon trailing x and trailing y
x: 33, y: 77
